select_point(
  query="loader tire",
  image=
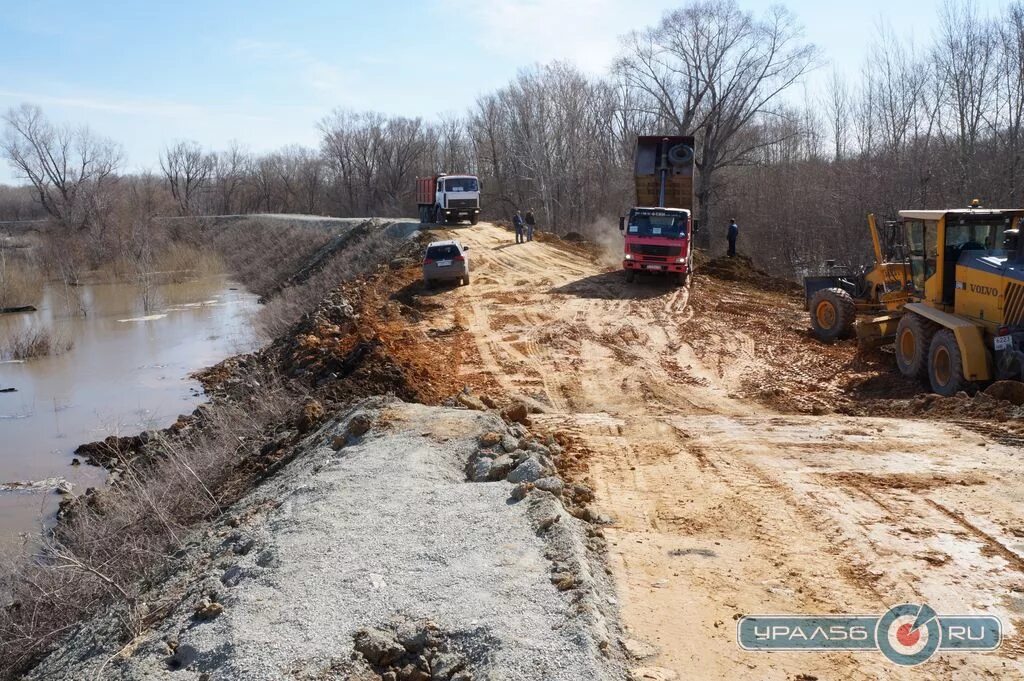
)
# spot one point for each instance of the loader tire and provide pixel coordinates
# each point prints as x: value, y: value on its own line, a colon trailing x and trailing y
x: 945, y: 364
x: 832, y: 314
x: 913, y: 342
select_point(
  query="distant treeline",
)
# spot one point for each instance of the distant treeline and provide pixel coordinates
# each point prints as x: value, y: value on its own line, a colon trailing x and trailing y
x: 922, y: 126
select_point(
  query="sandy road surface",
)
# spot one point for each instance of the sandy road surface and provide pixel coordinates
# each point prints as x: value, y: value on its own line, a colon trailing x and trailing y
x: 723, y: 505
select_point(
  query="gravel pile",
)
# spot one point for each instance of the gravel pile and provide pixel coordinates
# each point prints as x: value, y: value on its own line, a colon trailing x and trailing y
x: 372, y: 556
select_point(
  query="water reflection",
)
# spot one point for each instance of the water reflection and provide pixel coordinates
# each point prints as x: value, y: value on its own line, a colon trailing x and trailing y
x: 127, y: 372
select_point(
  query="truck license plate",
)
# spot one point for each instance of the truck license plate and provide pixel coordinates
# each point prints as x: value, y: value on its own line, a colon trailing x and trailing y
x: 1003, y: 342
x: 654, y: 267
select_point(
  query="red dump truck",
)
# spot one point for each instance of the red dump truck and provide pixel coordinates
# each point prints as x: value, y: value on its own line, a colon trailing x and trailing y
x: 448, y: 198
x: 658, y: 231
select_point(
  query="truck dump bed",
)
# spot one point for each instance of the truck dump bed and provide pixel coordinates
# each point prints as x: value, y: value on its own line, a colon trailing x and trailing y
x: 677, y: 154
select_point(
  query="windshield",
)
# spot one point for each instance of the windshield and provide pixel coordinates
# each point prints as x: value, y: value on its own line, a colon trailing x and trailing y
x: 657, y: 224
x: 461, y: 184
x: 994, y: 236
x: 446, y: 252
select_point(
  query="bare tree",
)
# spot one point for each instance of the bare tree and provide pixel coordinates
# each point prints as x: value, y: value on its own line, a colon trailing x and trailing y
x: 712, y: 70
x: 71, y: 170
x: 187, y: 169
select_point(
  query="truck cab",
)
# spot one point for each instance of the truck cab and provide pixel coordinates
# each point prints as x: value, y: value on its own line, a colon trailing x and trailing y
x: 448, y: 198
x: 657, y: 240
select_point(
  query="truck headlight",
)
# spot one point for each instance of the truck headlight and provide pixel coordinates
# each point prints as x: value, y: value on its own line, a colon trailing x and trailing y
x: 680, y: 260
x: 629, y: 256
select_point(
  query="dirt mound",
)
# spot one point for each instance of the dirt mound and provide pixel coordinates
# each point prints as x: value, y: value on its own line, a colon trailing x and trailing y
x: 741, y: 268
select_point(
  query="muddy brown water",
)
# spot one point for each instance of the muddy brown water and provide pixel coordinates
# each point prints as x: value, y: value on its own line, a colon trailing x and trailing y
x: 127, y: 371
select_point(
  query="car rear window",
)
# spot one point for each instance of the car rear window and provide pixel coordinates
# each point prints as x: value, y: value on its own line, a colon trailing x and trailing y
x: 442, y: 252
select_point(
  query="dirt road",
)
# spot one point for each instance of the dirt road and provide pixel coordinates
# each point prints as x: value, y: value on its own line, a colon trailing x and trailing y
x: 703, y: 421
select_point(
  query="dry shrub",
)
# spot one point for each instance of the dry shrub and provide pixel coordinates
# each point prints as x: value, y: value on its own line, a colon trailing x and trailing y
x: 262, y: 253
x: 21, y: 281
x: 182, y: 261
x: 288, y: 306
x: 116, y: 541
x: 34, y: 341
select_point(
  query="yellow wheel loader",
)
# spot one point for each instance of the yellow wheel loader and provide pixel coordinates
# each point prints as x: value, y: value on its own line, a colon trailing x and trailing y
x: 962, y: 318
x: 835, y: 300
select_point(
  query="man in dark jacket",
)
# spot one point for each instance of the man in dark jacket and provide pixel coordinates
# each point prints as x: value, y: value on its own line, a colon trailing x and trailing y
x: 734, y: 231
x: 530, y: 223
x: 517, y: 223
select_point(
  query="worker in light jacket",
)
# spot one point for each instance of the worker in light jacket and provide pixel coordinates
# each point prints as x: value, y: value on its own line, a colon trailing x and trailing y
x: 734, y: 231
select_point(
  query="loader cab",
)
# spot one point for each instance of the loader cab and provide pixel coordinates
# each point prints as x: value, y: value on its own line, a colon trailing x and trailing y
x: 940, y: 241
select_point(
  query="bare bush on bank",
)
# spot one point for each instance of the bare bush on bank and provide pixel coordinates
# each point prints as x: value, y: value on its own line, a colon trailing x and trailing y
x: 33, y: 342
x: 109, y: 546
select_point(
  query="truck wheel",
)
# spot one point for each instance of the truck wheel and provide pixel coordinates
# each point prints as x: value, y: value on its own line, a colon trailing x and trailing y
x: 439, y: 216
x: 475, y: 219
x: 423, y: 215
x: 465, y: 280
x: 832, y: 314
x: 630, y: 275
x: 913, y: 340
x: 945, y: 364
x: 683, y: 278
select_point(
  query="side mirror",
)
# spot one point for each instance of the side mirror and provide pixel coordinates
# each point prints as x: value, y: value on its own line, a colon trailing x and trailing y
x: 465, y: 248
x: 622, y: 223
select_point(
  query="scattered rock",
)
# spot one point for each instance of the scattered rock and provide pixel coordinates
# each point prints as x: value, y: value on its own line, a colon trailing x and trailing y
x: 551, y: 484
x: 489, y: 401
x: 509, y: 443
x: 232, y: 576
x: 481, y: 470
x: 311, y: 415
x: 563, y: 581
x: 76, y: 462
x: 520, y: 491
x: 517, y: 412
x: 638, y: 650
x: 378, y: 647
x: 359, y: 425
x: 500, y: 467
x: 8, y: 390
x: 471, y: 402
x: 490, y: 439
x: 207, y: 610
x: 529, y: 470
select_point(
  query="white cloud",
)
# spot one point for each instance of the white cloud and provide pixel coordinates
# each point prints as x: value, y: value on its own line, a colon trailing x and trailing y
x: 585, y: 32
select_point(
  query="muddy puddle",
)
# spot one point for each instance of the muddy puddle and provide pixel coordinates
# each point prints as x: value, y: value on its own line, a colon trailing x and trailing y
x: 128, y: 370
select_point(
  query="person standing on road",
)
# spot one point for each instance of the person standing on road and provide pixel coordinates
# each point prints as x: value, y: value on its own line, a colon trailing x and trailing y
x: 517, y: 222
x: 530, y: 223
x: 734, y: 231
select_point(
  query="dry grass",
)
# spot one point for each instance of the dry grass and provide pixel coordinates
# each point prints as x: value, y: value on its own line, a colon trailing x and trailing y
x: 116, y: 541
x: 291, y: 303
x: 33, y: 342
x: 21, y: 282
x: 181, y: 262
x: 262, y: 253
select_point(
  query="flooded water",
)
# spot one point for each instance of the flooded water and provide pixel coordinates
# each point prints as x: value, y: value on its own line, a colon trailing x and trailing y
x: 127, y: 371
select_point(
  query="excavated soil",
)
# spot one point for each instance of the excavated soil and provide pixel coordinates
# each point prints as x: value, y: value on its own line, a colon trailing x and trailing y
x: 742, y: 466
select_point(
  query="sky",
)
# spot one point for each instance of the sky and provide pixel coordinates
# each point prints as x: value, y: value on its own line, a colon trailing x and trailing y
x: 264, y: 72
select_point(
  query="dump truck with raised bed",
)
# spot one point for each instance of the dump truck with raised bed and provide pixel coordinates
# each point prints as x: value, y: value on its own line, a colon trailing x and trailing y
x: 658, y: 230
x: 443, y: 199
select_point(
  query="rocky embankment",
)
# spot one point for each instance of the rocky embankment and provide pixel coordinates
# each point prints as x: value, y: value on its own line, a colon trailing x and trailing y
x: 401, y: 542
